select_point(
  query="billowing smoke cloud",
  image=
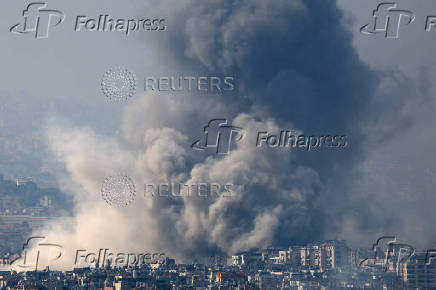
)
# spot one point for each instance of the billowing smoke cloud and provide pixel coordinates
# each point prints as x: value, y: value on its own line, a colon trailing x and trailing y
x: 295, y: 69
x: 266, y: 191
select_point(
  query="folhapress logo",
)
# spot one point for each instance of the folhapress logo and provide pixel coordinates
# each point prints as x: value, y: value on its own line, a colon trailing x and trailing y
x: 40, y: 250
x: 37, y: 19
x: 388, y: 20
x: 218, y: 134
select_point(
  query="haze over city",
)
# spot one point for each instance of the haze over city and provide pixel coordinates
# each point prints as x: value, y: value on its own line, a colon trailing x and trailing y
x: 203, y: 129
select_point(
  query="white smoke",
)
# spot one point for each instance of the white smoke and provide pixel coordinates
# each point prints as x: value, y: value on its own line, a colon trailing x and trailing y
x: 185, y: 228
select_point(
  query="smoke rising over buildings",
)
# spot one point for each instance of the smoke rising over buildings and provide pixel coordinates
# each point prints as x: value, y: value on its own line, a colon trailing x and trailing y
x: 294, y: 66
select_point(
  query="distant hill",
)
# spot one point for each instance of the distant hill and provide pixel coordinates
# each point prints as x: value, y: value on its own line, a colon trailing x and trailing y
x: 29, y: 194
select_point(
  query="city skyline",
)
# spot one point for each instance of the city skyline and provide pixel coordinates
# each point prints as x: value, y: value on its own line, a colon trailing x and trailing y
x: 203, y: 128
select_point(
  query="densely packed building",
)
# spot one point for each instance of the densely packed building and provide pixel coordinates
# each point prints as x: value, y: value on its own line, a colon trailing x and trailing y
x: 324, y: 265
